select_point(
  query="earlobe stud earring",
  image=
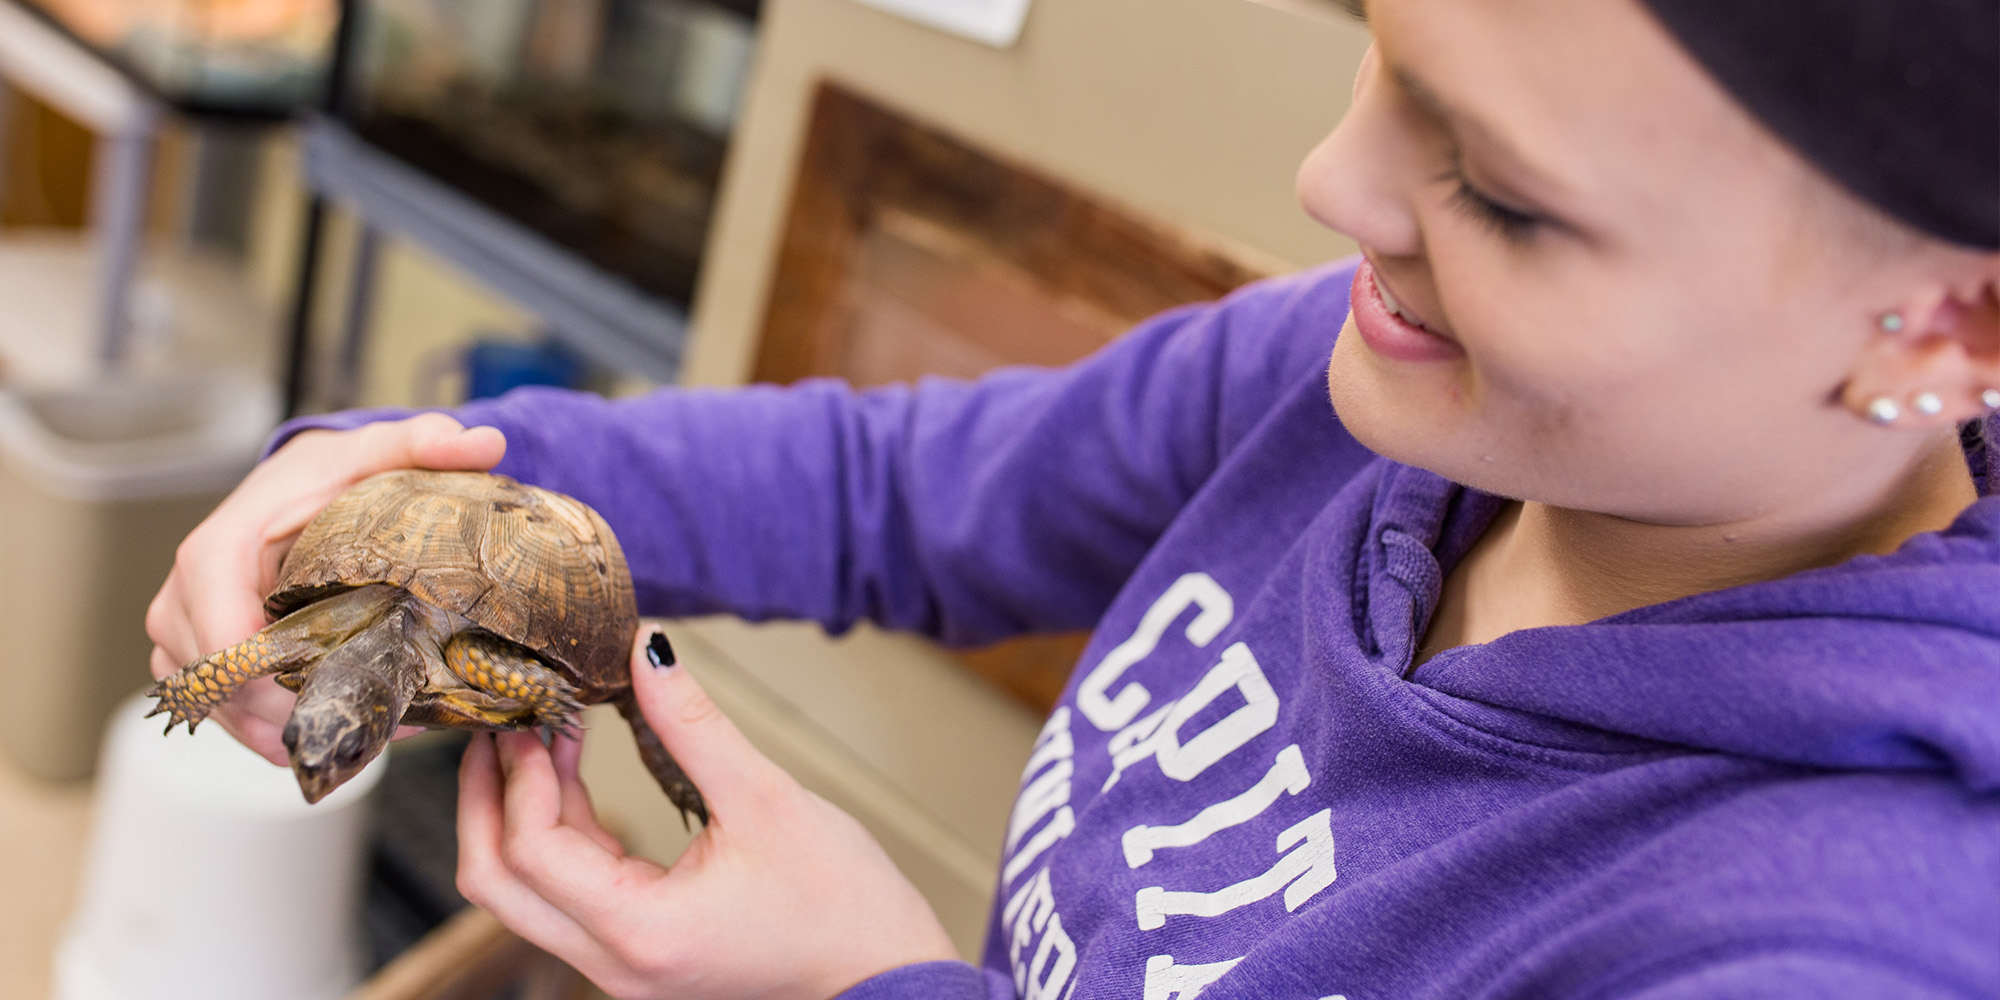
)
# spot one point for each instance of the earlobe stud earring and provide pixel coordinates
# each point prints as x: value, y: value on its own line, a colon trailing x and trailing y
x: 1991, y: 399
x: 1891, y: 322
x: 1928, y: 403
x: 1883, y: 410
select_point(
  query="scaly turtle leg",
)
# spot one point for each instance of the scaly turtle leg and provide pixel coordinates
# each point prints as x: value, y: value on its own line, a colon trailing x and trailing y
x: 508, y: 674
x: 665, y: 769
x: 290, y: 644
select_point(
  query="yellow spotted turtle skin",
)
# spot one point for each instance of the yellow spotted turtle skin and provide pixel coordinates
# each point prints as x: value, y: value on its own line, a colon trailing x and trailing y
x: 212, y: 679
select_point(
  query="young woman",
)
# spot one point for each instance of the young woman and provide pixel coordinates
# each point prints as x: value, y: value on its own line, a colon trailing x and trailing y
x: 1629, y: 626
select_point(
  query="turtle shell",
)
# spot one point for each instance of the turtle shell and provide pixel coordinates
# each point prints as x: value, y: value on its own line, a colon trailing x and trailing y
x: 530, y: 565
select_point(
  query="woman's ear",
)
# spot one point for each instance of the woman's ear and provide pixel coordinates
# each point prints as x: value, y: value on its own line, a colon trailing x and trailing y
x: 1935, y: 358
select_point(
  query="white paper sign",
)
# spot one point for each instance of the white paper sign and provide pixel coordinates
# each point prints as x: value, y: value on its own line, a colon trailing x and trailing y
x: 994, y: 22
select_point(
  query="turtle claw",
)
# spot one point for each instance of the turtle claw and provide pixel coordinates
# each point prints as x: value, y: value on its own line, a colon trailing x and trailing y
x: 178, y: 704
x: 173, y: 719
x: 561, y: 715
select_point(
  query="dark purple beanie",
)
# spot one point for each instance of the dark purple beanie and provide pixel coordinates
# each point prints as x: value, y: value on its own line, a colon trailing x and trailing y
x: 1897, y: 100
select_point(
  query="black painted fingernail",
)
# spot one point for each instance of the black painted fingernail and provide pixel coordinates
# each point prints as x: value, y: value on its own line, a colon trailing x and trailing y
x: 659, y: 652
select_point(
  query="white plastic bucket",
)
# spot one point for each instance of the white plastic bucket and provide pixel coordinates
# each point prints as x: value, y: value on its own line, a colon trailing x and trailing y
x: 208, y: 876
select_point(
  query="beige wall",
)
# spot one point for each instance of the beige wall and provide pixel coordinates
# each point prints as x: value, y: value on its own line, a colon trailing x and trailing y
x: 1195, y: 110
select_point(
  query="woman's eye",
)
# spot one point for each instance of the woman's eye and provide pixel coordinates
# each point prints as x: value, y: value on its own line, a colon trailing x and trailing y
x: 1512, y: 225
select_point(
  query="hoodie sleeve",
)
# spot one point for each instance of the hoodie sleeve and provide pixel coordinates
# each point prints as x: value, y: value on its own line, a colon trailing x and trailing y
x: 932, y: 981
x: 1803, y: 975
x: 970, y: 511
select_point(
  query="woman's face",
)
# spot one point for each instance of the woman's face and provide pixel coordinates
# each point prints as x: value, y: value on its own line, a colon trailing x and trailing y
x: 1640, y: 303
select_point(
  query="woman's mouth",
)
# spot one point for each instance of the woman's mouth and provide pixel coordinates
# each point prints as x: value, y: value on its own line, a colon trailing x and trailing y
x: 1389, y: 329
x: 1396, y: 307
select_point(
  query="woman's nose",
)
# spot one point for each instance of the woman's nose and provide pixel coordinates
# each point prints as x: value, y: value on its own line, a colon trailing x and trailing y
x: 1356, y: 181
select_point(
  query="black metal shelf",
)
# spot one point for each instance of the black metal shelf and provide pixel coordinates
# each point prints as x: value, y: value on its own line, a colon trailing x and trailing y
x: 587, y: 307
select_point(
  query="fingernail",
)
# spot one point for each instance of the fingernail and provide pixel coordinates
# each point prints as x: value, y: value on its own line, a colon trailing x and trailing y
x: 659, y: 652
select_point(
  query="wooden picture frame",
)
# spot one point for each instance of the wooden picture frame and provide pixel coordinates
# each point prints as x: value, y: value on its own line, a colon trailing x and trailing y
x: 908, y: 251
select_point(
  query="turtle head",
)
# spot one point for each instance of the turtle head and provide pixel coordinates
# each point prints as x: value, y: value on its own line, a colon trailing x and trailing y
x: 342, y: 720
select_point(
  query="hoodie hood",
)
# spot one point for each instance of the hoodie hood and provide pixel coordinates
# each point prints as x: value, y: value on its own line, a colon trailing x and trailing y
x: 1879, y: 663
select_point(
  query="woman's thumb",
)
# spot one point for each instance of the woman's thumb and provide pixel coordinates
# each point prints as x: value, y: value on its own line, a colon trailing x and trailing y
x: 730, y: 773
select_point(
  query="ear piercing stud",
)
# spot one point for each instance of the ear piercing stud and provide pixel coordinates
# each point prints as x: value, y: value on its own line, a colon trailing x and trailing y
x: 1891, y: 322
x: 1991, y: 399
x: 1883, y: 409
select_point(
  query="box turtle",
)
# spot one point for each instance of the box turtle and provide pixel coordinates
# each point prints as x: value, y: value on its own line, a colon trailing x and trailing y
x: 444, y: 599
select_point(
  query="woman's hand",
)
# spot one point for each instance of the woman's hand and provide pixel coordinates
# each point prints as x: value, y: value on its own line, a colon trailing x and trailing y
x: 214, y: 597
x: 781, y: 896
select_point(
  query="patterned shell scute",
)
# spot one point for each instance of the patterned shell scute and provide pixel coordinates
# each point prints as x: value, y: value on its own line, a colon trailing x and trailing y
x: 533, y: 566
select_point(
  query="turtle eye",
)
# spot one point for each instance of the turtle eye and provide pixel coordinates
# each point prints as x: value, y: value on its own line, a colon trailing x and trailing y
x: 351, y: 746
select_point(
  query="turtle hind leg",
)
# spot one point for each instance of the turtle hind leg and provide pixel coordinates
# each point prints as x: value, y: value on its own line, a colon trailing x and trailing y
x: 509, y: 675
x: 665, y: 769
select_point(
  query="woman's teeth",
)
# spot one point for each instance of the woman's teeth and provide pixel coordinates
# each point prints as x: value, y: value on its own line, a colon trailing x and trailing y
x: 1397, y: 307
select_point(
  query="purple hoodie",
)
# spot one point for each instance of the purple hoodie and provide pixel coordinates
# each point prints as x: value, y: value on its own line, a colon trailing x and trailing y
x: 1784, y: 789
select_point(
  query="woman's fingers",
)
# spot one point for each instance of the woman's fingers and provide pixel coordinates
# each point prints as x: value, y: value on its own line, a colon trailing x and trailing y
x: 450, y: 446
x: 483, y: 875
x: 163, y: 663
x: 561, y: 864
x: 536, y: 903
x: 567, y: 754
x: 733, y: 776
x: 168, y: 625
x: 782, y: 895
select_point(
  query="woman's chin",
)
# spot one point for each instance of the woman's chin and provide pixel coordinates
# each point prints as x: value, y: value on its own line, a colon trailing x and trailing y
x: 1427, y: 421
x: 1417, y: 419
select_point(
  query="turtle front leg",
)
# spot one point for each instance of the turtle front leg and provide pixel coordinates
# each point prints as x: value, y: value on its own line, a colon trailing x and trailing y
x: 191, y: 693
x: 289, y: 644
x: 504, y: 671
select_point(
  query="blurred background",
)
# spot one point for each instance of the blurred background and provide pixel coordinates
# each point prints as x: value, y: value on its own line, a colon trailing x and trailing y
x: 217, y: 213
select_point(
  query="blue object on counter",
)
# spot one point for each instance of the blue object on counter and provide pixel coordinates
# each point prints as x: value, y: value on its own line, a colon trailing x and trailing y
x: 492, y: 367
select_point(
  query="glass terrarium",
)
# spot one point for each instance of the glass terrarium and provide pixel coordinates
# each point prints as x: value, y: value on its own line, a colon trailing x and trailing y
x: 599, y: 123
x: 260, y: 57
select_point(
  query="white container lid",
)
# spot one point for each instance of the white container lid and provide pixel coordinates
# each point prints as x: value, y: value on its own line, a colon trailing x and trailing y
x: 138, y: 437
